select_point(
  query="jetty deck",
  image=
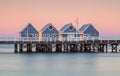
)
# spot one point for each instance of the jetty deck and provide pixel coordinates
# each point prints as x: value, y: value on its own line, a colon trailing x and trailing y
x: 89, y: 46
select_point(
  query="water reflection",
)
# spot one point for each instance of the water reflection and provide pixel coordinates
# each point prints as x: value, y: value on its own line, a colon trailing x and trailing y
x: 94, y: 64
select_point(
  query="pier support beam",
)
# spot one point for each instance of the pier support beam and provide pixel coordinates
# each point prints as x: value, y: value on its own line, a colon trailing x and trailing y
x: 37, y: 48
x: 114, y: 47
x: 49, y: 48
x: 29, y: 48
x: 21, y: 48
x: 87, y: 47
x: 93, y: 47
x: 76, y: 47
x: 81, y: 47
x: 67, y: 48
x: 58, y: 48
x: 42, y: 49
x: 46, y: 48
x: 106, y: 48
x: 72, y: 48
x: 16, y: 48
x: 64, y: 46
x: 101, y: 47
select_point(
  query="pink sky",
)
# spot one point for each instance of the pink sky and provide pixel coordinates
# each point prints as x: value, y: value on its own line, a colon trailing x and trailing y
x: 103, y: 14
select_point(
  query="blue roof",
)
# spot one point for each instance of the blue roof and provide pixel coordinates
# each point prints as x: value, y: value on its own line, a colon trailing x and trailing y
x: 64, y: 27
x: 29, y: 31
x: 84, y: 27
x: 29, y: 26
x: 89, y: 29
x: 46, y: 26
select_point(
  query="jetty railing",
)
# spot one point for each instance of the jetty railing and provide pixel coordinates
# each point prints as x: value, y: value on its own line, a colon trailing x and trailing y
x: 56, y: 39
x: 70, y: 44
x: 40, y: 39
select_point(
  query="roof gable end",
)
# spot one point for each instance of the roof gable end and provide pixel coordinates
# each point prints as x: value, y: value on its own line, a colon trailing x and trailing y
x: 91, y: 30
x: 84, y: 27
x: 66, y: 26
x: 29, y: 26
x: 46, y: 27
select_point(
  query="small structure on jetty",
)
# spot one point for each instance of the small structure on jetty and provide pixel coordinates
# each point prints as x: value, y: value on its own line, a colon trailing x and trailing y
x: 68, y: 40
x: 29, y: 33
x: 69, y: 33
x: 88, y: 32
x: 49, y: 33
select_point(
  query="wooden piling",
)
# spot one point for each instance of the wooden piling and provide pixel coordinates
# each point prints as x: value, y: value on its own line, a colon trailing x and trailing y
x: 93, y: 46
x: 66, y: 46
x: 101, y: 48
x: 114, y: 47
x: 106, y: 48
x: 21, y: 48
x: 73, y: 48
x: 42, y: 49
x: 81, y: 47
x: 29, y: 48
x: 87, y: 47
x: 58, y: 48
x: 37, y: 48
x: 15, y: 48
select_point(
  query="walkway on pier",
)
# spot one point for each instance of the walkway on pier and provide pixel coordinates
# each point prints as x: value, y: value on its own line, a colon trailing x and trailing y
x: 89, y: 46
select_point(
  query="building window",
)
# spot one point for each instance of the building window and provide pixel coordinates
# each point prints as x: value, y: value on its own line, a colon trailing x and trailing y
x: 54, y: 35
x: 44, y: 35
x: 31, y: 35
x: 50, y: 28
x: 36, y: 35
x: 71, y: 28
x: 48, y: 35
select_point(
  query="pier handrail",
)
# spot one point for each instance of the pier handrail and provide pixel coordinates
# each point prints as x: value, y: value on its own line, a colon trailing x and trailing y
x: 55, y: 39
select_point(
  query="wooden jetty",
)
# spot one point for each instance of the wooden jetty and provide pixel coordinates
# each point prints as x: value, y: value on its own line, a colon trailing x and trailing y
x: 87, y: 46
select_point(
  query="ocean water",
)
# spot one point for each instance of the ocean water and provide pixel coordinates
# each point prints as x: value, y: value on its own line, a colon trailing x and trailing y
x: 85, y: 64
x: 59, y: 64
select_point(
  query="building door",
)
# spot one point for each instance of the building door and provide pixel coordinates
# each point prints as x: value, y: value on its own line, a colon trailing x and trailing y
x: 70, y: 37
x: 81, y: 37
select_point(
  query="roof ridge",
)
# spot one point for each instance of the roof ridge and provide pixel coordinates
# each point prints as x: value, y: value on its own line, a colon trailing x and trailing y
x: 33, y: 27
x: 26, y: 27
x: 88, y: 25
x: 46, y: 26
x: 84, y: 27
x: 67, y: 25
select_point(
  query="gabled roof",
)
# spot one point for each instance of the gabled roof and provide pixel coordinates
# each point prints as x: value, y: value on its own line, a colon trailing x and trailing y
x: 65, y: 27
x: 28, y: 25
x: 89, y: 29
x: 84, y: 27
x: 46, y: 26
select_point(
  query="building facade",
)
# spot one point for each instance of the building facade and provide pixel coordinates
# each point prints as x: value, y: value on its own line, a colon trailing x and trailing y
x: 68, y: 33
x: 48, y: 33
x: 88, y: 32
x: 29, y: 32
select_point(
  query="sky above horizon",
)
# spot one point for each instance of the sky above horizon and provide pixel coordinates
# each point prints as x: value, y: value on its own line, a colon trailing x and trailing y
x: 16, y: 14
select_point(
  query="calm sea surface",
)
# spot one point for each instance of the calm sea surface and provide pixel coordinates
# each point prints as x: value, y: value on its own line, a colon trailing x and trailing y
x: 81, y: 64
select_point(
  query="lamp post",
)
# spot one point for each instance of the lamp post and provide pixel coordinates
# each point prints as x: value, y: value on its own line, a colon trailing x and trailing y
x: 77, y: 23
x: 27, y: 34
